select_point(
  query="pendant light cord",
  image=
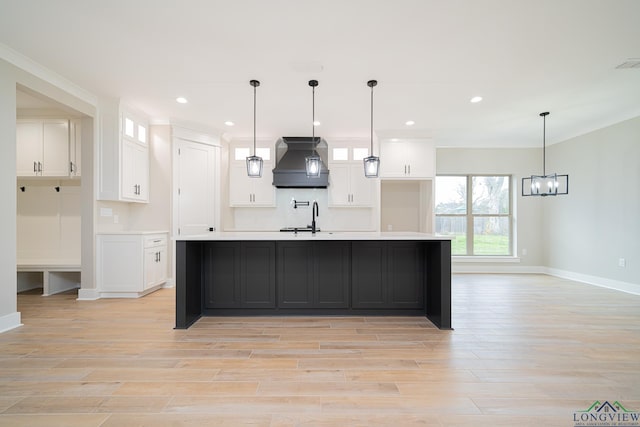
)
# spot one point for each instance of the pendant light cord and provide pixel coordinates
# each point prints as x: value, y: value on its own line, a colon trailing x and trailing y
x: 371, y: 121
x: 313, y: 114
x: 254, y: 120
x: 544, y: 142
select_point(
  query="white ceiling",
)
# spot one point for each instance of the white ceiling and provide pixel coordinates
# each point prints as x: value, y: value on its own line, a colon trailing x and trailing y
x: 429, y: 57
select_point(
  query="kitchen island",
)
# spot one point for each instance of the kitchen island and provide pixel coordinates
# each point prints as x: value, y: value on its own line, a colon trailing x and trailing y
x: 341, y: 273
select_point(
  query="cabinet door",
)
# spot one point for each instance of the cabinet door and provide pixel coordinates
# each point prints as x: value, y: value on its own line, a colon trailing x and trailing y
x: 393, y: 159
x: 28, y: 148
x: 421, y: 159
x: 362, y: 188
x: 55, y: 147
x: 339, y: 185
x: 246, y: 191
x: 258, y: 275
x: 331, y: 272
x: 295, y: 274
x: 141, y: 172
x: 263, y: 189
x: 75, y: 148
x: 120, y: 263
x: 222, y: 275
x: 369, y: 275
x: 151, y: 270
x: 240, y: 186
x: 405, y: 265
x: 135, y: 171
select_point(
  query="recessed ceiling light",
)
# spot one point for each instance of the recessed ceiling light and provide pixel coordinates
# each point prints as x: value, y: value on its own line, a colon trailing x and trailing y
x: 229, y: 123
x: 394, y: 139
x: 475, y: 99
x: 181, y: 100
x: 409, y: 123
x: 316, y: 123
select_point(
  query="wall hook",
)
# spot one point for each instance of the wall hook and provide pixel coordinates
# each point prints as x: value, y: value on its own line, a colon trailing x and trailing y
x: 57, y: 189
x: 23, y: 188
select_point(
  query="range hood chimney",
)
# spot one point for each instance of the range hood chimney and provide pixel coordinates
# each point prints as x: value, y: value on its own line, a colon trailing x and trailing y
x: 290, y: 171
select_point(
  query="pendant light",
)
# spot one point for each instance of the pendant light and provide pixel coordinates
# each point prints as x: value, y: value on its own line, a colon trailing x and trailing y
x: 254, y: 163
x: 371, y: 163
x: 312, y: 163
x: 545, y: 185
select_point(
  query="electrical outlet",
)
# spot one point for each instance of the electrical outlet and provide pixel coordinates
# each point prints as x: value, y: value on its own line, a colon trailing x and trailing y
x: 622, y: 262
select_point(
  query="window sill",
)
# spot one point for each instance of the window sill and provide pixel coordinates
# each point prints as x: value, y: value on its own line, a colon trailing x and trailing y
x: 486, y: 259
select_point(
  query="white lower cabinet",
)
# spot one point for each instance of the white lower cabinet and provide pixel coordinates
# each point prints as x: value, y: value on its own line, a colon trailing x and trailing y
x: 130, y: 265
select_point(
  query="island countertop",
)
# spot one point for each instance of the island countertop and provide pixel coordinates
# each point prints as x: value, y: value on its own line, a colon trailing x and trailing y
x: 306, y: 235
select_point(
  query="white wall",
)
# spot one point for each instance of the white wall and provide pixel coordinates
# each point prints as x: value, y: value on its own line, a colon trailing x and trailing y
x: 598, y: 222
x: 48, y: 222
x: 527, y: 210
x: 9, y: 316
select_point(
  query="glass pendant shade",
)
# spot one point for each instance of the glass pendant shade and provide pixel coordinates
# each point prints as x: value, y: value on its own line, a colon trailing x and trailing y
x: 312, y: 165
x: 254, y: 166
x: 371, y: 166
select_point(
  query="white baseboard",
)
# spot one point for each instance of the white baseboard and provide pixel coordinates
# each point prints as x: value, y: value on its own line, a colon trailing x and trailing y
x: 498, y: 269
x: 631, y: 288
x: 170, y: 283
x: 10, y: 321
x: 88, y: 294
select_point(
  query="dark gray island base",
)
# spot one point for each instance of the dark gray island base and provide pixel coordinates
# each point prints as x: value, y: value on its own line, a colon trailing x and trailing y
x: 313, y: 276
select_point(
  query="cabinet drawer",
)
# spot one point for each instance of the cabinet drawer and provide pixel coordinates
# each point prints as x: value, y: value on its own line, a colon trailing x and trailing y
x: 154, y: 240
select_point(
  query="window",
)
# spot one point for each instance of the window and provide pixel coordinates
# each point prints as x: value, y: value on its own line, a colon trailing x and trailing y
x: 476, y: 211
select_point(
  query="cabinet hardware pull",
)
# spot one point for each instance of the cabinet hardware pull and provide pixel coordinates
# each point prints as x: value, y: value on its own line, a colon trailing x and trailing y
x: 409, y: 169
x: 405, y: 169
x: 157, y: 241
x: 71, y: 167
x: 35, y: 167
x: 39, y: 167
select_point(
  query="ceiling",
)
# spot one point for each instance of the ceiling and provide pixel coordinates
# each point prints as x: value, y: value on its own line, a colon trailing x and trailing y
x: 429, y: 57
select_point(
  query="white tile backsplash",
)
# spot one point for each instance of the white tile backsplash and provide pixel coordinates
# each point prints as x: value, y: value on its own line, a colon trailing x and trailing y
x: 284, y: 214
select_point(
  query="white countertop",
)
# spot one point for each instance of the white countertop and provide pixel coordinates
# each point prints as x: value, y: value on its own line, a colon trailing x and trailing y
x: 322, y: 235
x: 131, y: 232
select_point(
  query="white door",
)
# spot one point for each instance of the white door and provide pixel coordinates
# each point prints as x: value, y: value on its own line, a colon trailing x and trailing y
x: 195, y: 192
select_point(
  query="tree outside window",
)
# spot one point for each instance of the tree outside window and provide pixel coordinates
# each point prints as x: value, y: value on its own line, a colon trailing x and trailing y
x: 478, y: 220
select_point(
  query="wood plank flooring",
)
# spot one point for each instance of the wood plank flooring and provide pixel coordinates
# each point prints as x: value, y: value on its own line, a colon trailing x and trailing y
x: 527, y: 350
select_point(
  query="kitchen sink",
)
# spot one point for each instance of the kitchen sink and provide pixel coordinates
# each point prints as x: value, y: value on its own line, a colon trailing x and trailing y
x: 297, y: 229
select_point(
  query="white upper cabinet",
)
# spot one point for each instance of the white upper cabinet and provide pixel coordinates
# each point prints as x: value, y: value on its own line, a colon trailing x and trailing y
x: 407, y: 159
x: 135, y: 159
x: 348, y: 187
x: 42, y: 147
x: 124, y: 156
x: 245, y: 191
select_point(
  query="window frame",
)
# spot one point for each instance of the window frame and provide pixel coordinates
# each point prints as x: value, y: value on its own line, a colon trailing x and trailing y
x: 470, y: 216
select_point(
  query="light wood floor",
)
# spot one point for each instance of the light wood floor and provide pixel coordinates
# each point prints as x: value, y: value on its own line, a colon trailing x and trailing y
x: 527, y: 350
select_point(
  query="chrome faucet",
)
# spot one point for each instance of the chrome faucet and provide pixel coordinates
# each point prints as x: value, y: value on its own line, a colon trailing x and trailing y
x: 314, y: 212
